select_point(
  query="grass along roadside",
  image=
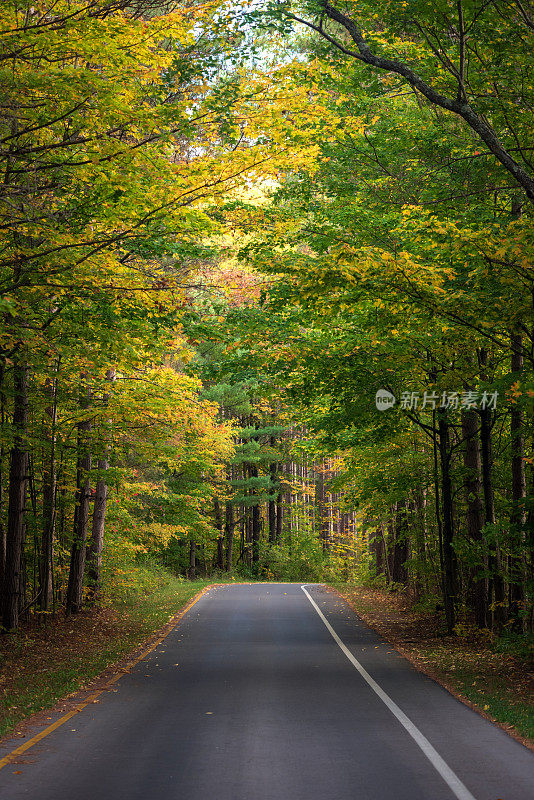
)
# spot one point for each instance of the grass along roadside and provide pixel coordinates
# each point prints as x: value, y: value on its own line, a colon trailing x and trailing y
x: 41, y: 665
x: 478, y: 669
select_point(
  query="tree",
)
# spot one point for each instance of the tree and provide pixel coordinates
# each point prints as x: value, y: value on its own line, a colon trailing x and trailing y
x: 446, y: 44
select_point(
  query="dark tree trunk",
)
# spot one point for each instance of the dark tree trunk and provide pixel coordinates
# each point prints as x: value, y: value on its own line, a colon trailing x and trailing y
x: 220, y: 537
x: 247, y: 515
x: 449, y: 559
x: 229, y: 525
x: 387, y: 566
x: 273, y: 472
x: 217, y: 514
x: 437, y: 501
x: 98, y: 528
x: 272, y: 521
x: 18, y: 484
x: 472, y: 485
x: 2, y: 528
x: 2, y: 455
x: 256, y: 520
x: 496, y: 588
x: 220, y: 552
x: 192, y: 560
x: 486, y: 460
x: 81, y: 512
x: 421, y: 536
x: 279, y: 516
x: 519, y: 491
x: 49, y: 499
x: 256, y: 529
x: 376, y: 542
x: 399, y: 571
x: 321, y: 517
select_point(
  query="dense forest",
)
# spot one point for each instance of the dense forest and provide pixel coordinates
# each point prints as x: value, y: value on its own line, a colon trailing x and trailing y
x: 267, y: 295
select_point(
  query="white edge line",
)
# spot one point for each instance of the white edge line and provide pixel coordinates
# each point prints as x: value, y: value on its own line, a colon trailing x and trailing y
x: 450, y: 778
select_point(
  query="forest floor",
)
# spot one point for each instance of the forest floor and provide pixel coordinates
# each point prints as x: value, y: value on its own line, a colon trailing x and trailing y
x: 45, y: 662
x: 481, y: 670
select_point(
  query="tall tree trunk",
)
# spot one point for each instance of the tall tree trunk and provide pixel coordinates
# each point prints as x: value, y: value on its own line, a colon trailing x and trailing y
x: 279, y: 516
x: 449, y: 559
x: 18, y: 484
x: 256, y: 530
x: 378, y: 547
x: 519, y: 491
x: 192, y: 560
x: 220, y: 535
x: 98, y: 527
x: 255, y: 519
x: 49, y: 498
x: 437, y: 500
x: 220, y: 553
x: 387, y: 566
x: 472, y: 486
x: 321, y: 518
x: 81, y: 509
x: 247, y: 513
x: 2, y: 528
x: 272, y: 521
x: 229, y: 525
x: 2, y: 456
x: 273, y: 473
x: 496, y: 588
x: 530, y: 550
x: 376, y: 543
x: 421, y: 537
x: 329, y: 514
x: 399, y: 571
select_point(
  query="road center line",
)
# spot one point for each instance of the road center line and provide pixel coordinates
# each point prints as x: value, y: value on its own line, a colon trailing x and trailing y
x: 450, y: 778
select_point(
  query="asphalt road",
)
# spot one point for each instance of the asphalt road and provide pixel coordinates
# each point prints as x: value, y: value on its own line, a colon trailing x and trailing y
x: 253, y: 697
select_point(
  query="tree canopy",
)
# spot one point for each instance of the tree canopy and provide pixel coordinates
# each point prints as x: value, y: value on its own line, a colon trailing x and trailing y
x: 267, y: 292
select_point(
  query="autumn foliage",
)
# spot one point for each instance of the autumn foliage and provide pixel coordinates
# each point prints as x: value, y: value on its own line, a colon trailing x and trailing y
x: 224, y: 230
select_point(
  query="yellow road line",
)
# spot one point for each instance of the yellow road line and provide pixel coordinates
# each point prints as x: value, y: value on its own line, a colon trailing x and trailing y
x: 92, y: 697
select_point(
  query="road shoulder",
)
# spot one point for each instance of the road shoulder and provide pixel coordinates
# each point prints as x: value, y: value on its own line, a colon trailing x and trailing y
x: 496, y: 685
